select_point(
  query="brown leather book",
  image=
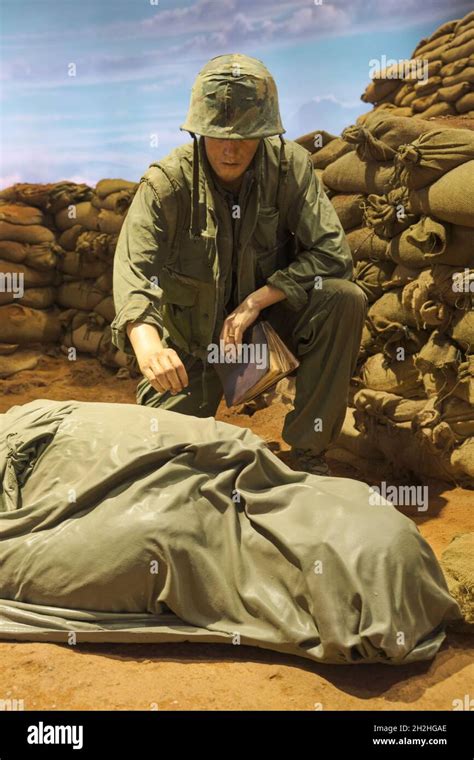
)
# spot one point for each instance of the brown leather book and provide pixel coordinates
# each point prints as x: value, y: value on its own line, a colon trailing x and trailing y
x: 263, y: 361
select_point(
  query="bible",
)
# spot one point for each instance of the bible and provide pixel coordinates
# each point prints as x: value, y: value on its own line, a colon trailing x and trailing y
x: 264, y: 359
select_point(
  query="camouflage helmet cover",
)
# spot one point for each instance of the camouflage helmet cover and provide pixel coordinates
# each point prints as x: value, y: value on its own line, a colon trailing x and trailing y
x: 234, y: 97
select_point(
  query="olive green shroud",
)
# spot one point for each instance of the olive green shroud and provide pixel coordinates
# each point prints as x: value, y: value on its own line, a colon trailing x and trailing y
x: 125, y: 523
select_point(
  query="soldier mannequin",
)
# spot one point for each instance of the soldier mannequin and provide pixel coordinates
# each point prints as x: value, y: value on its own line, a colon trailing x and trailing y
x: 311, y: 302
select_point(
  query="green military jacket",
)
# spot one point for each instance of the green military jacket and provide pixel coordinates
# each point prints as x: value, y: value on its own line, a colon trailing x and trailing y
x: 165, y: 275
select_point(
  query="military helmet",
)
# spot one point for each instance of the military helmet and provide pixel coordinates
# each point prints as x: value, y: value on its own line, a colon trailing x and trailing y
x: 234, y: 97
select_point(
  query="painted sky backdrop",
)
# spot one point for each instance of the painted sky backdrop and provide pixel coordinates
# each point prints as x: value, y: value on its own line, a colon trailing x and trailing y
x: 136, y: 61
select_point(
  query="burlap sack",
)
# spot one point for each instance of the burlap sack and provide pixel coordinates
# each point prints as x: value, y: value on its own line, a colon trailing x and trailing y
x: 100, y: 244
x: 379, y: 138
x: 465, y: 103
x: 82, y: 213
x: 433, y: 45
x: 50, y: 197
x: 462, y: 330
x: 110, y: 222
x: 393, y: 329
x: 23, y: 325
x: 31, y: 233
x: 366, y: 245
x: 378, y: 89
x: 400, y: 377
x: 68, y: 239
x: 314, y: 141
x: 458, y: 567
x: 36, y: 298
x: 464, y: 385
x: 79, y: 294
x: 400, y: 277
x: 426, y: 87
x: 349, y: 209
x: 41, y: 256
x: 18, y: 213
x: 453, y: 285
x: 388, y: 215
x: 81, y: 265
x: 30, y: 277
x: 105, y: 281
x: 386, y: 407
x: 441, y: 108
x: 106, y: 309
x: 453, y: 92
x: 450, y: 199
x: 454, y: 67
x: 462, y: 461
x: 107, y: 186
x: 354, y: 441
x: 349, y: 174
x: 423, y: 102
x: 432, y: 155
x: 84, y: 338
x: 438, y: 362
x: 371, y: 277
x: 19, y: 360
x: 430, y: 242
x: 465, y: 75
x: 419, y: 300
x: 116, y: 202
x: 330, y: 153
x: 454, y: 52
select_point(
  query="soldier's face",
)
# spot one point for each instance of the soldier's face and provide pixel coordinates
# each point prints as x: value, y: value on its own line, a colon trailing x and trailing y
x: 230, y: 158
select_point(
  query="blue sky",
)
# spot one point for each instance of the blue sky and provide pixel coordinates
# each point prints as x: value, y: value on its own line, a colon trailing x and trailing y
x: 136, y: 60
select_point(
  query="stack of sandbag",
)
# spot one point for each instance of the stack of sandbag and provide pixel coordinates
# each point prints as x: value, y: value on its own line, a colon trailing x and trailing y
x: 437, y: 79
x: 404, y: 193
x: 59, y: 241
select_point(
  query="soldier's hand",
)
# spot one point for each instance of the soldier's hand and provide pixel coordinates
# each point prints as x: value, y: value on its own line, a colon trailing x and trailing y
x: 165, y: 371
x: 237, y: 322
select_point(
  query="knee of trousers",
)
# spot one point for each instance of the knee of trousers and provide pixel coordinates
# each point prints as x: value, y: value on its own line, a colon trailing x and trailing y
x: 344, y: 294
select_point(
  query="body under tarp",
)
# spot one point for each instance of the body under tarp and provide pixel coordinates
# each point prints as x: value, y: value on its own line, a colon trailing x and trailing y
x: 125, y: 523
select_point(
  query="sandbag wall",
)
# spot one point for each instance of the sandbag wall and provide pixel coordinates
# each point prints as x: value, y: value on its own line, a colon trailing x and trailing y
x: 403, y: 189
x: 57, y: 242
x: 443, y: 85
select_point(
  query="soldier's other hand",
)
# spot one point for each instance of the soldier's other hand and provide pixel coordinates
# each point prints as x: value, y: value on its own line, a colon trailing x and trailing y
x: 165, y: 371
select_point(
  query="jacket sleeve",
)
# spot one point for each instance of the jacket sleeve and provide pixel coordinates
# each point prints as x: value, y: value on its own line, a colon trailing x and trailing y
x: 142, y: 248
x: 321, y: 246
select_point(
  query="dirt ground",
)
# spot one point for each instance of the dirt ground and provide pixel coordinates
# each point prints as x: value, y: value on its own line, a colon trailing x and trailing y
x: 223, y: 677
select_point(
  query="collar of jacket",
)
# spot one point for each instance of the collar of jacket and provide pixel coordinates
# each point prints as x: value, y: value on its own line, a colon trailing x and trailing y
x: 202, y: 180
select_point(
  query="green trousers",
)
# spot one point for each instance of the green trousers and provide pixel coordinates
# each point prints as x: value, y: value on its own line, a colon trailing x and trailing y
x: 325, y: 337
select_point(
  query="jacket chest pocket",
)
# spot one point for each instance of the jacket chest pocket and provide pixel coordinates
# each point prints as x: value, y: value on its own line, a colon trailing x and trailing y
x: 193, y: 257
x: 270, y: 244
x: 187, y: 305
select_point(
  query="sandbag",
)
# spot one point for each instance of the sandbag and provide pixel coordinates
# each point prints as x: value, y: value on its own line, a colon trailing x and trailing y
x: 440, y: 108
x: 79, y: 294
x: 365, y: 244
x: 110, y: 222
x: 429, y: 242
x: 36, y: 298
x: 83, y: 213
x: 107, y: 186
x: 462, y: 461
x: 465, y: 103
x: 314, y: 141
x: 438, y: 362
x: 22, y: 325
x: 400, y: 377
x: 450, y: 198
x: 433, y: 154
x: 419, y: 300
x: 330, y: 153
x: 388, y: 215
x: 354, y: 441
x: 41, y: 256
x: 400, y: 277
x: 29, y: 277
x: 68, y: 239
x: 106, y: 309
x: 349, y: 209
x: 462, y: 330
x: 19, y: 213
x: 349, y: 174
x: 464, y: 385
x: 393, y: 327
x: 20, y: 233
x: 81, y: 265
x: 380, y: 138
x: 458, y: 568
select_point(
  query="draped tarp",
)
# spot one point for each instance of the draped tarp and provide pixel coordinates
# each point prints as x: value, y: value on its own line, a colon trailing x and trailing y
x: 126, y: 523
